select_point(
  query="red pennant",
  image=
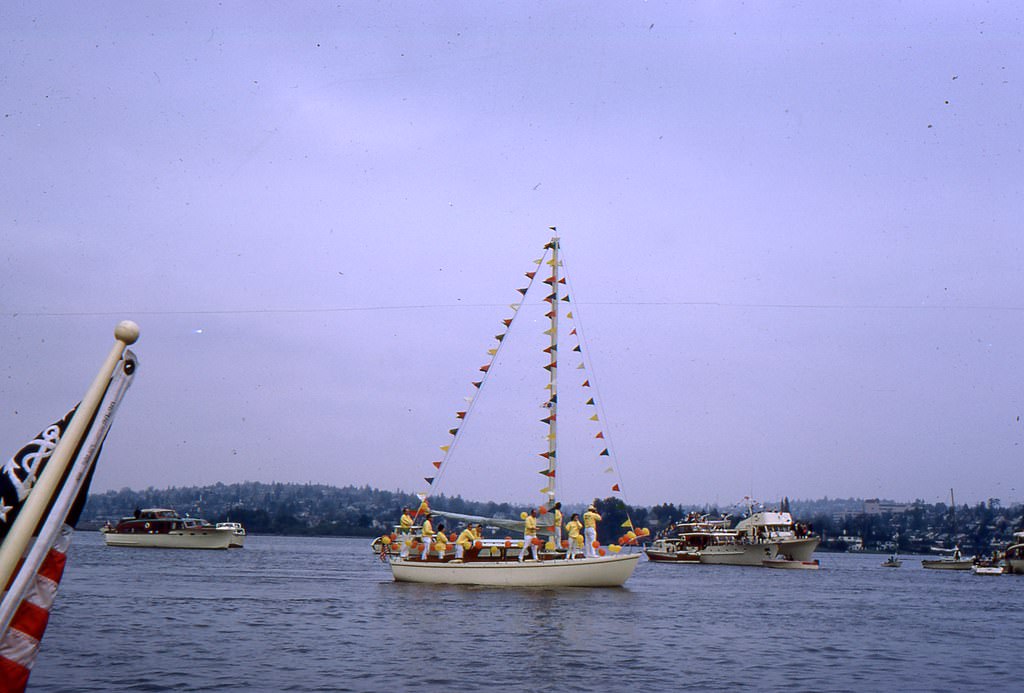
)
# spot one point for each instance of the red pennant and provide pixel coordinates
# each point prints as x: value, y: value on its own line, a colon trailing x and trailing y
x: 615, y: 487
x: 530, y: 275
x: 460, y: 415
x: 507, y: 321
x: 485, y: 369
x: 573, y: 331
x: 550, y: 315
x: 562, y: 280
x: 586, y: 383
x: 437, y: 465
x: 478, y: 383
x: 600, y: 434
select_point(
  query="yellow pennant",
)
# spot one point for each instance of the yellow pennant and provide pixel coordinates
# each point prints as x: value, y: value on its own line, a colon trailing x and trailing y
x: 492, y: 352
x: 569, y: 315
x: 594, y: 417
x: 549, y: 331
x: 444, y: 448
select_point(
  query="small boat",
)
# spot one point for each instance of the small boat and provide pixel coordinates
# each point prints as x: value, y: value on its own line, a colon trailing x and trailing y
x: 987, y: 568
x: 892, y: 562
x: 501, y: 563
x: 237, y: 533
x: 953, y: 561
x: 788, y: 564
x: 165, y: 529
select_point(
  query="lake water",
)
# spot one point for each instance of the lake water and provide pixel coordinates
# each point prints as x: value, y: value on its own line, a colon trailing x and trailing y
x: 320, y: 614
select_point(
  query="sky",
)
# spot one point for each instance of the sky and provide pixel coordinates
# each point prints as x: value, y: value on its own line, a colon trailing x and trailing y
x: 792, y: 232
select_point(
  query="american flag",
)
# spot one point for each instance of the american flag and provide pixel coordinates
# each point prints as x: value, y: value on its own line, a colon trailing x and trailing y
x: 32, y: 585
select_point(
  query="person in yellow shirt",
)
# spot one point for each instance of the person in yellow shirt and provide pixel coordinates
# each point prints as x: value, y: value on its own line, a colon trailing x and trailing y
x: 465, y: 542
x: 590, y: 520
x: 428, y: 536
x: 573, y: 527
x: 440, y: 541
x: 404, y: 533
x: 558, y: 526
x: 529, y: 534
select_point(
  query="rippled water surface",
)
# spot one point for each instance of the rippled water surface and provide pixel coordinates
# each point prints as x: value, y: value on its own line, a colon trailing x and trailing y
x: 312, y: 614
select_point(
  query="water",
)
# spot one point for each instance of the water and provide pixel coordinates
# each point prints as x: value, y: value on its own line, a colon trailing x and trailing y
x: 320, y: 614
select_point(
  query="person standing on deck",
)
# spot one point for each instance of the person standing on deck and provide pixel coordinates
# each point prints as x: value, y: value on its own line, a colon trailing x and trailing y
x: 404, y: 533
x: 573, y: 527
x: 529, y: 536
x: 428, y: 536
x: 558, y: 526
x: 590, y: 520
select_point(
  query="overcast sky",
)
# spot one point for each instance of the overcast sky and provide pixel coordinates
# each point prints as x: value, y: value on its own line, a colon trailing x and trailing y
x: 793, y: 232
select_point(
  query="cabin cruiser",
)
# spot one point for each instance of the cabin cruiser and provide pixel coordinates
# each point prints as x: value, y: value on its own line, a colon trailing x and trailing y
x: 237, y: 533
x: 164, y: 528
x: 1014, y: 555
x: 756, y: 540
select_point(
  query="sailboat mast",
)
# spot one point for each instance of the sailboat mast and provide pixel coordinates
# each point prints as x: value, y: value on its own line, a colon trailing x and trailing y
x: 553, y: 401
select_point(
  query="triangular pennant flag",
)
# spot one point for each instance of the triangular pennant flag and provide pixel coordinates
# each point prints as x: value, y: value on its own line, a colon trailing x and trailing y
x: 548, y: 386
x: 507, y: 321
x: 615, y: 487
x: 514, y: 306
x: 577, y: 349
x: 478, y: 383
x: 580, y: 367
x: 485, y: 368
x: 437, y: 465
x: 590, y: 401
x: 468, y: 398
x: 445, y: 448
x: 500, y: 337
x: 605, y: 453
x: 548, y: 419
x: 523, y: 291
x: 429, y: 479
x: 550, y: 298
x: 549, y: 280
x: 550, y: 315
x: 492, y: 352
x: 573, y: 331
x: 530, y: 275
x: 569, y: 315
x: 566, y: 298
x: 538, y: 261
x: 549, y: 331
x: 609, y: 470
x: 546, y: 489
x: 600, y: 434
x: 453, y: 431
x: 553, y: 364
x: 562, y: 280
x: 554, y: 399
x: 550, y: 262
x: 548, y: 350
x: 627, y: 523
x: 544, y: 454
x: 550, y: 436
x: 460, y: 415
x: 586, y: 383
x: 594, y: 418
x: 547, y: 472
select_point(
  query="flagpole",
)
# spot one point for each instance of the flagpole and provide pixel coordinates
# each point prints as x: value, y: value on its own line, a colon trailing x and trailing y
x: 20, y: 534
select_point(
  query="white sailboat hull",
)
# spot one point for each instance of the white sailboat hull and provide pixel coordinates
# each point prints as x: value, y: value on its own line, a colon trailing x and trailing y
x: 607, y: 571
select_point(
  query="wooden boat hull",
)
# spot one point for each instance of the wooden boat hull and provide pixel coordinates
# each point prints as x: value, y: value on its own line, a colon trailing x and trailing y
x: 791, y: 565
x: 939, y: 564
x: 211, y: 539
x: 608, y: 571
x: 684, y: 557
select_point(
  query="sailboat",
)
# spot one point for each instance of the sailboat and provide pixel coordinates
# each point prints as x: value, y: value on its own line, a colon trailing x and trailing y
x: 951, y: 559
x: 498, y: 562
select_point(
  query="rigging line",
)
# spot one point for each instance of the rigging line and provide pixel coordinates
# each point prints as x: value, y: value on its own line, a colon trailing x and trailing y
x: 483, y: 381
x: 436, y: 306
x: 588, y: 364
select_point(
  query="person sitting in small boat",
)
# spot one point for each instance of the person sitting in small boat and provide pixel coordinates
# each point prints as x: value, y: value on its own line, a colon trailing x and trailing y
x: 465, y: 542
x: 428, y: 536
x: 529, y: 534
x: 573, y: 527
x: 440, y: 541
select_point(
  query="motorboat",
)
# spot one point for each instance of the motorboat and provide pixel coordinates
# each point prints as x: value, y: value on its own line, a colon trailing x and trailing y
x: 1014, y: 555
x: 237, y: 533
x: 953, y: 560
x: 892, y: 561
x: 164, y: 528
x: 787, y: 538
x: 987, y: 568
x: 786, y: 564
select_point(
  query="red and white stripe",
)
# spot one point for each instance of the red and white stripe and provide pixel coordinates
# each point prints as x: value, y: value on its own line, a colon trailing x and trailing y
x: 20, y: 644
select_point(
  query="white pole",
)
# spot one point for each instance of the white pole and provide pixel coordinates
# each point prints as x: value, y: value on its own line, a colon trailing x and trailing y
x: 80, y: 468
x: 20, y: 534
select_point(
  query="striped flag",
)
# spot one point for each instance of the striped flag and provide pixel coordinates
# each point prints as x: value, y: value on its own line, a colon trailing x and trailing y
x: 26, y: 603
